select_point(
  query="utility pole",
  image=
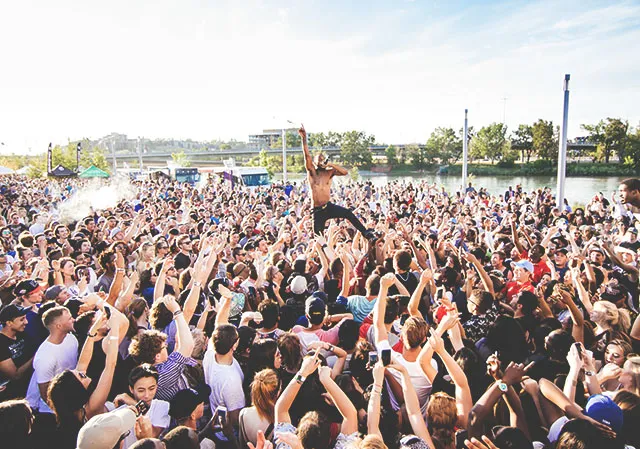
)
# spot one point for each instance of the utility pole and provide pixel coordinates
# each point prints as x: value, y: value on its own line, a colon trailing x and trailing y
x: 465, y: 151
x: 562, y: 153
x: 140, y: 144
x: 284, y: 155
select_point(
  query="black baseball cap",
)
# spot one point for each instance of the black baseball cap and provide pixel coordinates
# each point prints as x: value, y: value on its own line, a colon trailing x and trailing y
x: 11, y: 311
x: 185, y: 401
x: 26, y: 287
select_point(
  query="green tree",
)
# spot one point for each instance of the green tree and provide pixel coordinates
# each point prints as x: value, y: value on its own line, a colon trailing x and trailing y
x: 391, y: 155
x: 490, y: 142
x: 416, y: 155
x: 522, y: 139
x: 633, y: 148
x: 610, y: 137
x: 293, y: 140
x: 181, y: 159
x: 317, y: 140
x: 225, y: 146
x: 443, y: 144
x: 354, y: 148
x: 545, y: 141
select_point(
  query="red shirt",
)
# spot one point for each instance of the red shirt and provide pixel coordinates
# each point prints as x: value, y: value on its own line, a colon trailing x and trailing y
x: 539, y: 269
x: 513, y: 288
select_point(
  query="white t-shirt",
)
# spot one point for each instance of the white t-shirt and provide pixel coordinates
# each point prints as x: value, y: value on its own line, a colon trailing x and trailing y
x: 418, y: 377
x: 225, y: 381
x: 49, y: 361
x: 158, y: 414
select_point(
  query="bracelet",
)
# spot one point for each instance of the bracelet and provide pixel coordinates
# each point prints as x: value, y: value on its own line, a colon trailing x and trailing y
x: 120, y: 270
x: 197, y: 284
x: 324, y: 246
x: 92, y: 335
x: 331, y: 348
x: 177, y: 313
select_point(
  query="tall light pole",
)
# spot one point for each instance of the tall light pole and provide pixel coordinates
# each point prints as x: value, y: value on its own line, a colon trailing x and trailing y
x: 562, y: 153
x: 465, y: 150
x: 140, y: 143
x: 284, y: 155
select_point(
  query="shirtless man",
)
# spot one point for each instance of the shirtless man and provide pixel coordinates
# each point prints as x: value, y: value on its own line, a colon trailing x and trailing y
x: 319, y: 175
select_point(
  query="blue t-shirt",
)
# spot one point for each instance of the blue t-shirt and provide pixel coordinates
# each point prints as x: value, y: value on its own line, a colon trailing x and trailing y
x: 360, y: 307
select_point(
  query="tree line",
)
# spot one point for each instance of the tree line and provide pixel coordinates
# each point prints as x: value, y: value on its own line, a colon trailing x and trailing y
x: 608, y: 139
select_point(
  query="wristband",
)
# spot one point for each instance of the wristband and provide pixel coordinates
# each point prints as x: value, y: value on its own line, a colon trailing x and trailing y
x: 300, y: 378
x: 324, y: 246
x: 120, y: 270
x: 92, y: 335
x: 197, y: 284
x: 177, y: 313
x: 331, y: 348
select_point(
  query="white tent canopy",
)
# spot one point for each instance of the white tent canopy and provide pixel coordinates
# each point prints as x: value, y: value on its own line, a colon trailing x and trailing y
x: 6, y: 170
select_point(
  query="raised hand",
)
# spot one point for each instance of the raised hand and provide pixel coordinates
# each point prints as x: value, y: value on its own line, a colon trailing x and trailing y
x: 486, y: 443
x: 387, y: 280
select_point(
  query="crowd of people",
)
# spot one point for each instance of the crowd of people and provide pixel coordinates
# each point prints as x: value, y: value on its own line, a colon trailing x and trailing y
x: 395, y: 316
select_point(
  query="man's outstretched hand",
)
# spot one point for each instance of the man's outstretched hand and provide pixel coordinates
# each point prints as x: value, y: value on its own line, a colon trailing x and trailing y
x: 302, y: 132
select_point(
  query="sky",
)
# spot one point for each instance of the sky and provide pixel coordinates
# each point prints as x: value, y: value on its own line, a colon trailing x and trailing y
x: 216, y: 69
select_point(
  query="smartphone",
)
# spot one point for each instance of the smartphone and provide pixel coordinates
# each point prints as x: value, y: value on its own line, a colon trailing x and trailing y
x: 107, y: 312
x: 386, y: 356
x: 142, y: 408
x: 221, y: 412
x: 580, y: 348
x: 373, y: 358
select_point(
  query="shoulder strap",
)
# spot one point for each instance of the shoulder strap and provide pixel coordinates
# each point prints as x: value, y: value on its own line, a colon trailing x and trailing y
x: 268, y: 432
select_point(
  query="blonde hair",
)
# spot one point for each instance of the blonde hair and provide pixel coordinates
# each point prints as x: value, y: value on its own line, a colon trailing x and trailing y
x: 442, y: 416
x: 264, y: 392
x: 632, y: 367
x: 372, y: 442
x: 618, y: 319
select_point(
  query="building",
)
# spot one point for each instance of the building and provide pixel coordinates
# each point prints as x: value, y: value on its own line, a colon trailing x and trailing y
x: 267, y: 138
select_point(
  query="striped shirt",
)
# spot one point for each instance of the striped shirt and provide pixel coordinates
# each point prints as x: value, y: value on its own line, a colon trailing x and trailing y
x: 171, y: 377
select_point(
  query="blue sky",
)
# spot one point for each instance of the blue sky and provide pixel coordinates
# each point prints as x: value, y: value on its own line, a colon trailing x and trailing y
x: 224, y: 69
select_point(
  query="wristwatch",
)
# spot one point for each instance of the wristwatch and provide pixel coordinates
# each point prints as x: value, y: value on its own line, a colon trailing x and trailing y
x: 503, y: 386
x: 300, y: 378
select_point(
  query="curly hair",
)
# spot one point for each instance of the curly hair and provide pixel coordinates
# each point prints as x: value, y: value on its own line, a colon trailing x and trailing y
x: 145, y: 346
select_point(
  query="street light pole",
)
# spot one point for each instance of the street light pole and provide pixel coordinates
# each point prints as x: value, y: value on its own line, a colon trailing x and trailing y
x: 562, y: 153
x: 284, y: 155
x: 465, y: 151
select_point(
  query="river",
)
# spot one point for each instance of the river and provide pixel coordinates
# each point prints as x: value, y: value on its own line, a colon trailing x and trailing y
x: 578, y: 190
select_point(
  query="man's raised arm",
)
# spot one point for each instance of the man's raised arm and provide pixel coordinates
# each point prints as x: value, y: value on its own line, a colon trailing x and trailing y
x: 308, y: 160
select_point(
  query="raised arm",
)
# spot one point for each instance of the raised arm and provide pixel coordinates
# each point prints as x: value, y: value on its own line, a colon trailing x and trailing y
x: 184, y: 339
x: 222, y: 315
x: 414, y: 302
x: 98, y: 398
x: 373, y: 409
x: 339, y: 171
x: 341, y: 400
x: 463, y: 392
x: 283, y: 404
x: 158, y: 289
x: 308, y: 160
x: 413, y: 405
x: 116, y: 285
x: 380, y: 330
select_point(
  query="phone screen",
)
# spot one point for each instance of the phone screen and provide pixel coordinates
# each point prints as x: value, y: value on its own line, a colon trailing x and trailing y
x: 386, y: 356
x: 373, y: 358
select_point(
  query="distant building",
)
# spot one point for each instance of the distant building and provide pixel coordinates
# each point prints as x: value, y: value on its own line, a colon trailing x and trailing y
x: 267, y: 138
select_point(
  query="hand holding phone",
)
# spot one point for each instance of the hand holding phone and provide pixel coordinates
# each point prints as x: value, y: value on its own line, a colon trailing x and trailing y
x: 142, y: 408
x: 373, y: 359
